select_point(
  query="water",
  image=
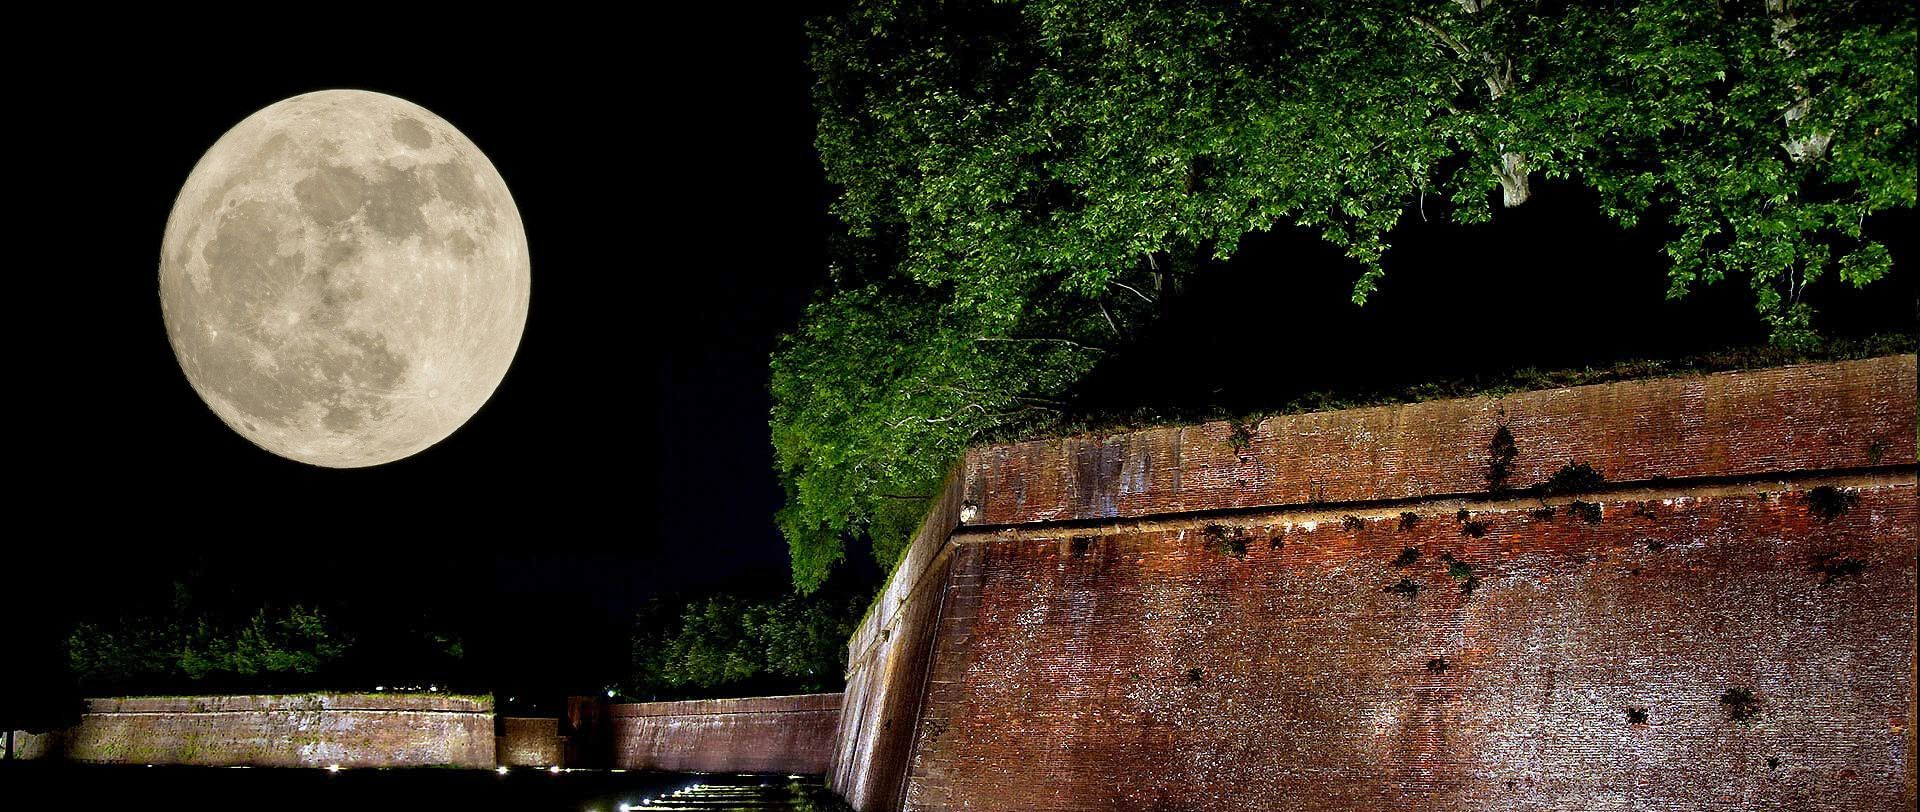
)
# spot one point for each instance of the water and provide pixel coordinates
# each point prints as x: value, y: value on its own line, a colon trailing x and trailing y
x: 53, y: 786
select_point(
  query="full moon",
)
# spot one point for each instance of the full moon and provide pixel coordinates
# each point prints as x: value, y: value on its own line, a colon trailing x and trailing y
x: 344, y: 278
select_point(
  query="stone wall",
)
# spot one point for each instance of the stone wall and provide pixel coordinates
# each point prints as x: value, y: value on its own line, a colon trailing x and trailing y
x: 1385, y: 608
x: 887, y: 664
x: 302, y: 730
x: 31, y: 746
x: 771, y: 734
x: 531, y: 742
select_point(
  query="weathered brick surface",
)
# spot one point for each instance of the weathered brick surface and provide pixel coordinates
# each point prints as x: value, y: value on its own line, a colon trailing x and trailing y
x: 1068, y: 681
x: 530, y: 742
x: 1156, y: 620
x: 886, y: 667
x: 1817, y: 417
x: 777, y: 734
x: 305, y: 730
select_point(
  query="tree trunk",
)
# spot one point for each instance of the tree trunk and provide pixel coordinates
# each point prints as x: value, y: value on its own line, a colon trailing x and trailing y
x: 1512, y: 171
x: 9, y: 744
x: 1814, y: 145
x: 1513, y: 179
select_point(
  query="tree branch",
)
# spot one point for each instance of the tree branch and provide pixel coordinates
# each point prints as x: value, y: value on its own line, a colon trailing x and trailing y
x: 1512, y: 171
x: 1130, y: 289
x: 1441, y: 34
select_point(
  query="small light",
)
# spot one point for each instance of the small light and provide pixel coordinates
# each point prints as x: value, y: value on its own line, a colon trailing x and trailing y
x: 501, y: 770
x: 379, y: 687
x: 609, y: 694
x: 333, y: 768
x: 616, y: 769
x: 626, y: 807
x: 555, y: 769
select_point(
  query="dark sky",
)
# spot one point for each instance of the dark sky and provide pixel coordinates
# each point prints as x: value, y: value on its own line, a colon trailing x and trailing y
x: 675, y: 213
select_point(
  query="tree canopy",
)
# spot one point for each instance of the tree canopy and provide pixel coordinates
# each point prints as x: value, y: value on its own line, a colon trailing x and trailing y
x: 732, y: 644
x: 1021, y: 183
x: 201, y: 641
x: 187, y: 647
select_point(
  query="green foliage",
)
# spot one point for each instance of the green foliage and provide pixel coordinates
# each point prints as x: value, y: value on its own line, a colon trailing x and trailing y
x: 186, y: 647
x: 1225, y: 540
x: 1021, y: 182
x: 731, y: 644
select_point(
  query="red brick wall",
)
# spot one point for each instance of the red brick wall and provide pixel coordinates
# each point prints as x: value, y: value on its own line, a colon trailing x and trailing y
x: 1068, y: 673
x: 1158, y: 620
x: 530, y: 742
x: 305, y: 730
x: 887, y: 665
x: 1805, y: 418
x: 775, y: 734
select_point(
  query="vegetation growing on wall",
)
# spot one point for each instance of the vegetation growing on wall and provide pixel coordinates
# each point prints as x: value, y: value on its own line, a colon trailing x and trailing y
x: 1024, y: 183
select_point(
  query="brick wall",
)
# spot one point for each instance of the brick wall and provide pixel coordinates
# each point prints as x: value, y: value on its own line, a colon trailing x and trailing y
x: 773, y: 734
x: 531, y: 742
x: 1169, y: 619
x: 304, y: 730
x: 887, y: 665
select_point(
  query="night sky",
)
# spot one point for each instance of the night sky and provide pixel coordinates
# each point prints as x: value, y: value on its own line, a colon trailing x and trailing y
x: 675, y: 211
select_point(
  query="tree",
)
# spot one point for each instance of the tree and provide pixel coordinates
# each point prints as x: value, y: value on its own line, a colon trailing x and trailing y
x: 736, y: 645
x: 1022, y: 183
x: 187, y: 646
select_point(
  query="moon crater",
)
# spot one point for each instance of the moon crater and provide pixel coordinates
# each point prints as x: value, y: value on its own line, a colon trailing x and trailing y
x: 344, y: 278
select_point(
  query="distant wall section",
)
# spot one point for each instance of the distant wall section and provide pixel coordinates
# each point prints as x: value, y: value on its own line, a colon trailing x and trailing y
x: 773, y: 734
x: 531, y: 742
x: 303, y: 730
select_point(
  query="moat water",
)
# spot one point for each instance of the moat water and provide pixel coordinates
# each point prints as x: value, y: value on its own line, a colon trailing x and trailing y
x: 48, y: 786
